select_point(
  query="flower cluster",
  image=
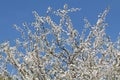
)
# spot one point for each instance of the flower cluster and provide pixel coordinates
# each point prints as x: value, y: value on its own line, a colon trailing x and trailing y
x: 51, y: 51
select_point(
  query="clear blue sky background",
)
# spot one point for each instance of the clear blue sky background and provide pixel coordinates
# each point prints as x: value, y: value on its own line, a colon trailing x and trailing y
x: 18, y: 11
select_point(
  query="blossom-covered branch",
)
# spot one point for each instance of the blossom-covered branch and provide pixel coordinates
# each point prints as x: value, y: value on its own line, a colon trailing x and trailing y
x: 51, y: 51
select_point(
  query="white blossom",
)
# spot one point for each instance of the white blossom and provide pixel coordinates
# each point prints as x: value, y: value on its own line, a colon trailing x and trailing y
x: 57, y: 51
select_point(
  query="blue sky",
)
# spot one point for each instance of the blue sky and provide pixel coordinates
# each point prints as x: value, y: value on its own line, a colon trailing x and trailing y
x: 19, y: 11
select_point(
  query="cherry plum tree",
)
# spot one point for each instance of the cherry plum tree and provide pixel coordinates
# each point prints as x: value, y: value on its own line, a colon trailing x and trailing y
x: 51, y: 51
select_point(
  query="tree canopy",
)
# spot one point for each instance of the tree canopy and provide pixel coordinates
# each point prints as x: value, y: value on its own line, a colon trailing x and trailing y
x: 51, y: 51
